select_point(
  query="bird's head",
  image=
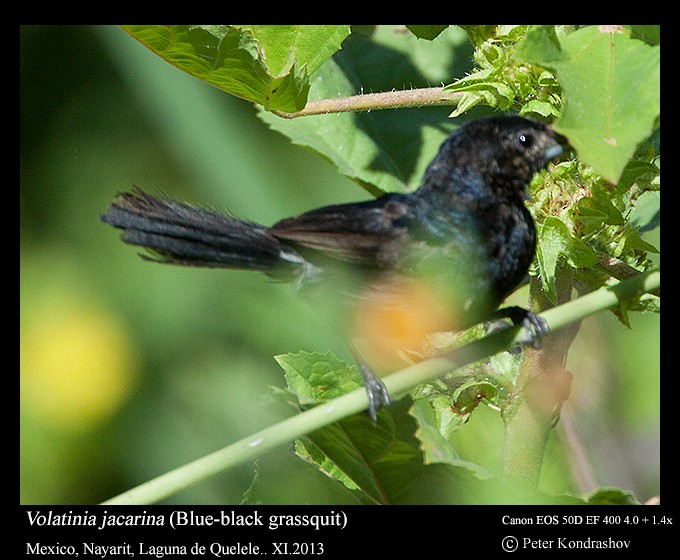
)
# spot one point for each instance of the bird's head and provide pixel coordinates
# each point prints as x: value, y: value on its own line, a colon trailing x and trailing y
x: 500, y: 153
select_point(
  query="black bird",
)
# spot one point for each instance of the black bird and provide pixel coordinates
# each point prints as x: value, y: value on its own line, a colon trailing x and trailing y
x: 466, y: 226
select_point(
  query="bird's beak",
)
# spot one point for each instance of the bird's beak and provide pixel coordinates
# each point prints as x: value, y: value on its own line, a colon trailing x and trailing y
x: 554, y: 151
x: 559, y: 145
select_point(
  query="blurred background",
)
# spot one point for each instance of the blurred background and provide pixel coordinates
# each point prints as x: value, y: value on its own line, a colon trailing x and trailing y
x: 130, y: 369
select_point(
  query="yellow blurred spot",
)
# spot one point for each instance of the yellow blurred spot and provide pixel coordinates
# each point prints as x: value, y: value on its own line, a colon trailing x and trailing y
x: 76, y: 365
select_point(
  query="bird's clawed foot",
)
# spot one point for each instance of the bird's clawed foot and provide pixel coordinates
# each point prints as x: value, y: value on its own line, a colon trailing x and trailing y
x: 534, y: 325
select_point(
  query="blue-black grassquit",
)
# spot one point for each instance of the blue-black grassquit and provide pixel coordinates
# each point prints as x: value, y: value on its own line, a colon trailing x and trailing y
x: 465, y: 229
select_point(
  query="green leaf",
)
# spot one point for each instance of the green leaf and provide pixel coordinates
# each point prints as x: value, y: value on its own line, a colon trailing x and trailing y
x: 382, y: 463
x: 479, y: 33
x: 557, y: 243
x: 371, y: 455
x: 304, y: 484
x: 428, y: 32
x: 308, y: 46
x: 634, y: 241
x: 646, y: 215
x: 263, y: 64
x: 383, y: 151
x: 355, y: 153
x: 317, y: 377
x: 598, y: 209
x: 378, y: 462
x: 541, y: 46
x: 351, y: 450
x: 643, y: 172
x: 648, y: 33
x: 503, y: 81
x: 612, y: 496
x: 492, y: 93
x: 539, y: 108
x: 611, y: 87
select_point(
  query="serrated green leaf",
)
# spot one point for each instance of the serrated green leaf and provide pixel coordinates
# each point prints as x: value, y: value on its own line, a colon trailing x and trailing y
x: 536, y: 107
x: 384, y: 462
x: 383, y: 151
x: 449, y: 419
x: 502, y: 94
x: 548, y: 251
x: 374, y: 460
x: 611, y: 87
x: 308, y: 46
x: 308, y: 451
x: 541, y: 46
x: 597, y: 210
x: 378, y: 462
x: 434, y: 443
x: 317, y: 377
x: 371, y: 455
x: 273, y: 73
x: 477, y: 88
x: 590, y: 215
x: 557, y: 243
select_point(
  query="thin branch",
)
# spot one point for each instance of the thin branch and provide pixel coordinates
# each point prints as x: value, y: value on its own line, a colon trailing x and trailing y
x: 579, y: 464
x: 397, y: 383
x: 397, y: 99
x: 617, y: 268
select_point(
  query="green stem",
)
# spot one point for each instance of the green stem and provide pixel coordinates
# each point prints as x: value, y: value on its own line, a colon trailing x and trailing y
x: 397, y: 383
x: 542, y: 386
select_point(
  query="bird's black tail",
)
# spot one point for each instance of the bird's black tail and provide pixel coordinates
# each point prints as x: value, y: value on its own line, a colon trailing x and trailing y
x: 177, y: 233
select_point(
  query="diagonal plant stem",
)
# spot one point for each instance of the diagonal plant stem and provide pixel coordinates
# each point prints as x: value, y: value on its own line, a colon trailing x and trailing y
x: 397, y: 383
x: 397, y: 99
x: 540, y: 390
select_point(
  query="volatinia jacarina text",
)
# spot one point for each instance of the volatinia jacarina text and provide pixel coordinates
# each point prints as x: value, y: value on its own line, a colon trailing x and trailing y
x: 465, y: 230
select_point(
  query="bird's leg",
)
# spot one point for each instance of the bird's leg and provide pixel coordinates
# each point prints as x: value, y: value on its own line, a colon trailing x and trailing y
x: 375, y: 388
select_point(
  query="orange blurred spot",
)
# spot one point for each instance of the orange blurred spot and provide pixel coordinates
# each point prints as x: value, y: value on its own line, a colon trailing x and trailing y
x: 397, y: 316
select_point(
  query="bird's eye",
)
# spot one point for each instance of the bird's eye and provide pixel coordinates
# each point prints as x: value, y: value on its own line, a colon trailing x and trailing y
x: 526, y: 140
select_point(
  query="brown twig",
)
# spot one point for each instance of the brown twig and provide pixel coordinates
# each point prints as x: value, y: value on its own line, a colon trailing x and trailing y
x: 397, y: 99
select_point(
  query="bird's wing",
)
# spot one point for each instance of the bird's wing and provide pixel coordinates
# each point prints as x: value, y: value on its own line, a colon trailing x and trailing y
x: 369, y: 232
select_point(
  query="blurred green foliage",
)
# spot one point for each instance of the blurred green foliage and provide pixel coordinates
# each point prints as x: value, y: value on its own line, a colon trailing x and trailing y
x: 100, y: 116
x: 130, y: 369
